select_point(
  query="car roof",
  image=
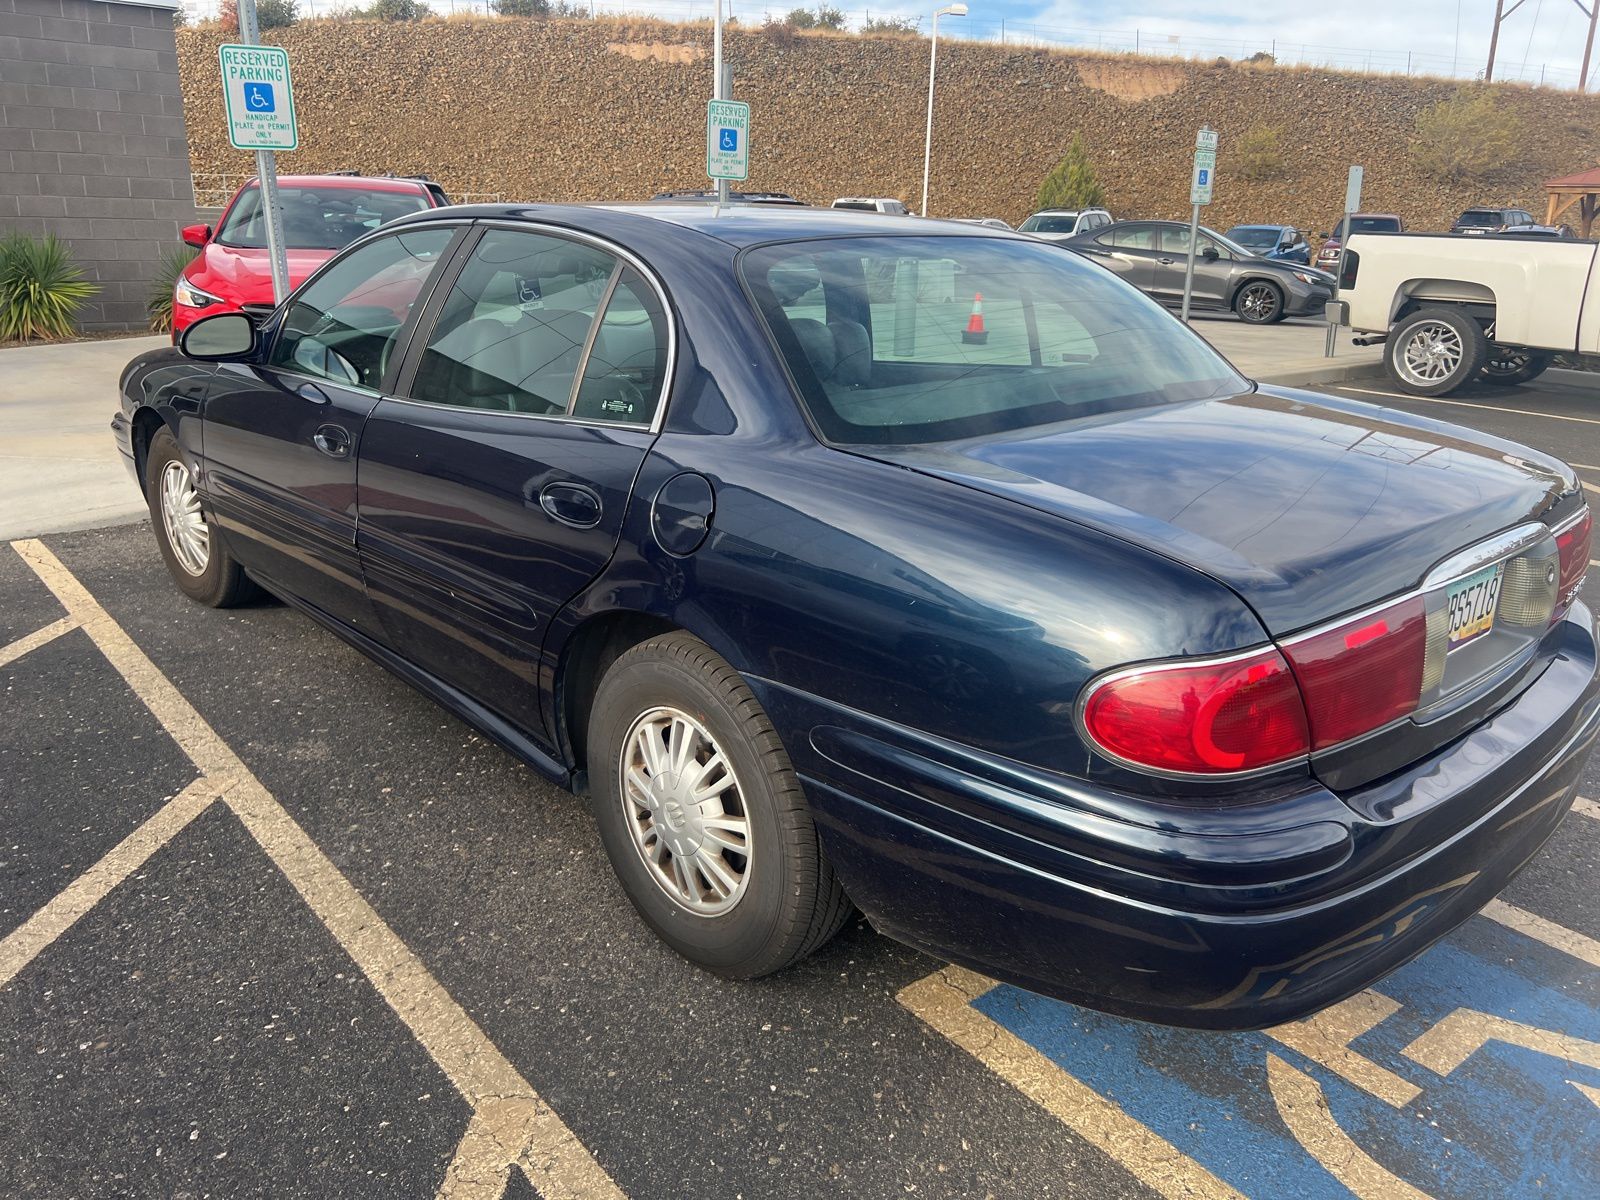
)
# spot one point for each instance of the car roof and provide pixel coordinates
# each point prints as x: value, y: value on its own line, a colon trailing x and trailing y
x: 1261, y: 227
x: 735, y: 224
x: 367, y: 183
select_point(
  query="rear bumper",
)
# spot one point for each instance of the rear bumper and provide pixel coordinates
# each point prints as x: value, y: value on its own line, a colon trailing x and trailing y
x: 1226, y: 918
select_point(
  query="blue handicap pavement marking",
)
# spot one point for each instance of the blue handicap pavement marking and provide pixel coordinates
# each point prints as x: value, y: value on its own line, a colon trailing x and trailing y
x: 1491, y: 1040
x: 728, y: 139
x: 258, y: 97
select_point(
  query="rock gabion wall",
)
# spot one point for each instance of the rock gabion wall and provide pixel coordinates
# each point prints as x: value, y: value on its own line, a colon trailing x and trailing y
x: 611, y: 110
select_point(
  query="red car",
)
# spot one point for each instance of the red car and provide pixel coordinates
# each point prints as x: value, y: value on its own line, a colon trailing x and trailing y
x: 1328, y: 255
x: 321, y: 215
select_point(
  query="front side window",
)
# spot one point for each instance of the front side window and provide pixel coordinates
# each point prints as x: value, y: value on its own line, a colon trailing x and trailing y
x: 888, y: 341
x: 317, y: 218
x: 343, y: 326
x: 515, y: 331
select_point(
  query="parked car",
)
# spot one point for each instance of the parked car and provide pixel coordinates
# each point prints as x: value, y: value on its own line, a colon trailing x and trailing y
x: 1282, y: 242
x: 1048, y: 640
x: 990, y: 222
x: 883, y: 204
x: 1479, y: 221
x: 321, y: 215
x: 734, y: 197
x: 1154, y: 255
x: 1058, y: 224
x: 1544, y: 231
x: 1449, y: 311
x: 1328, y: 252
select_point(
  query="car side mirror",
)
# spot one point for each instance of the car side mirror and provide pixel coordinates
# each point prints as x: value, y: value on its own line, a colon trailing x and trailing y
x: 219, y: 338
x: 1210, y: 252
x: 196, y: 235
x: 1324, y: 236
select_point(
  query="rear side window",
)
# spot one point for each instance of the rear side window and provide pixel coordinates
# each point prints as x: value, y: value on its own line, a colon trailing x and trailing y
x: 343, y: 327
x: 1134, y: 237
x: 523, y: 317
x: 1050, y: 223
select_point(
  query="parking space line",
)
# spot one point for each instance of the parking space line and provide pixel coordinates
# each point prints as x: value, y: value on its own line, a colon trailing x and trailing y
x: 512, y: 1126
x: 23, y: 944
x: 12, y: 651
x: 1518, y: 412
x: 944, y: 1000
x: 1586, y: 808
x: 1569, y: 941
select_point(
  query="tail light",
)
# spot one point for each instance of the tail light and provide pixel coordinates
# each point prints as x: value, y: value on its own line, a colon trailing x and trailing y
x: 1363, y: 673
x: 1206, y: 718
x: 1574, y: 543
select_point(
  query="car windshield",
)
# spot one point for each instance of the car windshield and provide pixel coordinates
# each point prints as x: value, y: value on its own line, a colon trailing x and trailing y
x: 908, y: 340
x: 1480, y: 217
x: 1255, y: 237
x: 1050, y: 223
x: 1369, y: 225
x: 316, y: 218
x: 859, y: 205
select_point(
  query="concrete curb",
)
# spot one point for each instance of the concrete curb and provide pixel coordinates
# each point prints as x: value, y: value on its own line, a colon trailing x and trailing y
x: 1326, y: 371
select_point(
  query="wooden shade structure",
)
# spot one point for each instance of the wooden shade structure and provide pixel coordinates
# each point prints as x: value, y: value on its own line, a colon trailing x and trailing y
x: 1582, y: 189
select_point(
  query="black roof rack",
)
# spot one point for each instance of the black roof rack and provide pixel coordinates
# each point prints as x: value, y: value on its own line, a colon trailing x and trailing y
x: 738, y: 197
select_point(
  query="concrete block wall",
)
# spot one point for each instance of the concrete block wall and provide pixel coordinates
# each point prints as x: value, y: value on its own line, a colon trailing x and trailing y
x: 92, y: 143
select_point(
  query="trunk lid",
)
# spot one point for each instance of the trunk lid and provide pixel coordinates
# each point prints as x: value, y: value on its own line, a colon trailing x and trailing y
x: 1306, y: 505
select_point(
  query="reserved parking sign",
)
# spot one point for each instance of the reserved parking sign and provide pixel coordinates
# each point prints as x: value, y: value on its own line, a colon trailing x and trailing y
x: 260, y: 101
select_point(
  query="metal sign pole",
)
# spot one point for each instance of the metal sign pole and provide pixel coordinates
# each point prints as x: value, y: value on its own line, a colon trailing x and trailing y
x: 1201, y: 180
x: 1352, y: 205
x: 719, y: 85
x: 267, y: 175
x: 1188, y: 270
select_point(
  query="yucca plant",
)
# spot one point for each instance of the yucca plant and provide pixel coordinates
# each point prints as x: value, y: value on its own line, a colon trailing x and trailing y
x: 41, y: 288
x: 159, y: 303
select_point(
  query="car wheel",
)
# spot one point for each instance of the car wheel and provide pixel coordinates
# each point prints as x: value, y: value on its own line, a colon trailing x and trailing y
x: 1259, y: 303
x: 199, y: 563
x: 1435, y: 350
x: 702, y: 815
x: 1507, y: 365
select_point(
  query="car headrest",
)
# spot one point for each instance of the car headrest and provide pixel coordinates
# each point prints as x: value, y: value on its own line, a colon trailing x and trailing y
x: 852, y: 350
x: 816, y: 339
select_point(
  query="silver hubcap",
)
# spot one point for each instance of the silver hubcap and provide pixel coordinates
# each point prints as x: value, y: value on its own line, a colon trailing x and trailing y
x: 685, y: 812
x: 180, y: 515
x: 1432, y: 352
x: 1258, y: 302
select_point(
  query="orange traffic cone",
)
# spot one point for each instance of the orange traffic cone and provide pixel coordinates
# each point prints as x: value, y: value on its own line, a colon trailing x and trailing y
x: 975, y: 334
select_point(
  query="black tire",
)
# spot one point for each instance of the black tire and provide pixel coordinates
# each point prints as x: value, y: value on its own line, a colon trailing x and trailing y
x: 1459, y: 332
x: 790, y: 902
x: 1509, y: 366
x: 1259, y: 302
x: 222, y: 583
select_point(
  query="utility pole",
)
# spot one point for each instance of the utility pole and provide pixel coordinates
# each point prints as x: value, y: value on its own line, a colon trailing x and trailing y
x: 1593, y: 13
x: 1501, y: 13
x: 1494, y: 35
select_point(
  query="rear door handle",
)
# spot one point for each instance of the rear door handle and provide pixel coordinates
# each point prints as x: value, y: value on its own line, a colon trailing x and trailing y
x: 1166, y: 262
x: 332, y: 440
x: 571, y: 504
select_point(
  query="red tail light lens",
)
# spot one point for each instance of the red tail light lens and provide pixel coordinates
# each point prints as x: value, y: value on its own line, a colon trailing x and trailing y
x: 1575, y: 544
x: 1362, y: 674
x: 1206, y: 719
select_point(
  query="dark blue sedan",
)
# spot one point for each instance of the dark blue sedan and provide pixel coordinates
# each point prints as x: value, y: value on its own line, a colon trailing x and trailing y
x: 1282, y: 242
x: 846, y: 560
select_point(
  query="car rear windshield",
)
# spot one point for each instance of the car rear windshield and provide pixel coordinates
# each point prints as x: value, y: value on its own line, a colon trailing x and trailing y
x: 1481, y: 217
x: 907, y: 340
x: 1369, y: 225
x: 1055, y: 223
x: 327, y: 218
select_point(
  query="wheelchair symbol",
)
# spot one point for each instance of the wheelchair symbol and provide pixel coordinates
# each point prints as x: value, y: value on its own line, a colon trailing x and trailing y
x: 728, y: 140
x: 258, y: 97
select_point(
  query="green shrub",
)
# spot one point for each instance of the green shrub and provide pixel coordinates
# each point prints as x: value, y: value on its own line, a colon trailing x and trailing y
x: 521, y: 8
x: 822, y: 17
x: 159, y: 302
x: 890, y: 25
x: 397, y: 10
x: 1260, y: 156
x: 1072, y: 184
x: 1466, y: 137
x: 41, y: 288
x: 276, y: 14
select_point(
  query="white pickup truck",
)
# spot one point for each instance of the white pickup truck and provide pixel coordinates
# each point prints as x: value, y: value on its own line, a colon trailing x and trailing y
x: 1451, y: 309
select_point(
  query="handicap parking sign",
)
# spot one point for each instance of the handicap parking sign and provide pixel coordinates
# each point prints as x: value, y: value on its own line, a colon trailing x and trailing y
x: 258, y: 97
x: 727, y: 139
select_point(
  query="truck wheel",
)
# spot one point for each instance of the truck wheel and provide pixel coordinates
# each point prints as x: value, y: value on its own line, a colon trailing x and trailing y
x: 702, y: 815
x: 1509, y: 365
x: 1435, y: 350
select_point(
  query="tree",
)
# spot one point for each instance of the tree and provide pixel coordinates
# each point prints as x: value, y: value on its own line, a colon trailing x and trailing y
x: 276, y: 14
x: 823, y: 18
x: 1465, y: 137
x: 1072, y: 184
x: 905, y: 25
x: 521, y: 8
x: 397, y: 10
x: 1260, y: 156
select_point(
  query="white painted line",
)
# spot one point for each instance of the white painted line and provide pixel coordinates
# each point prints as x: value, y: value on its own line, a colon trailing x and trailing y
x: 39, y: 637
x: 944, y: 1000
x: 23, y: 944
x: 513, y: 1124
x: 1569, y: 941
x: 1519, y: 412
x: 1586, y: 808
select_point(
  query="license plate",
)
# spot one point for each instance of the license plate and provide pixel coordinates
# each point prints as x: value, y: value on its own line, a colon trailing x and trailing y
x: 1471, y: 604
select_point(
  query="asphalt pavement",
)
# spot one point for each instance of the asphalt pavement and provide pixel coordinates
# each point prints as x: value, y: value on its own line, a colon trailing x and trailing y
x: 273, y: 924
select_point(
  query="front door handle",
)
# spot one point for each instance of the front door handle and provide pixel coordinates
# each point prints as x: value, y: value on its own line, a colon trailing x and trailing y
x: 311, y: 392
x: 332, y: 440
x: 1166, y: 262
x: 571, y: 504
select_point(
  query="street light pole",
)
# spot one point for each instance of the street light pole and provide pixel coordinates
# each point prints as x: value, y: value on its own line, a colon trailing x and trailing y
x: 949, y: 10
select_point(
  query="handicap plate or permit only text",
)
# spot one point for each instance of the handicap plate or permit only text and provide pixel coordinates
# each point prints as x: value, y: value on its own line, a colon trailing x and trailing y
x: 1472, y: 603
